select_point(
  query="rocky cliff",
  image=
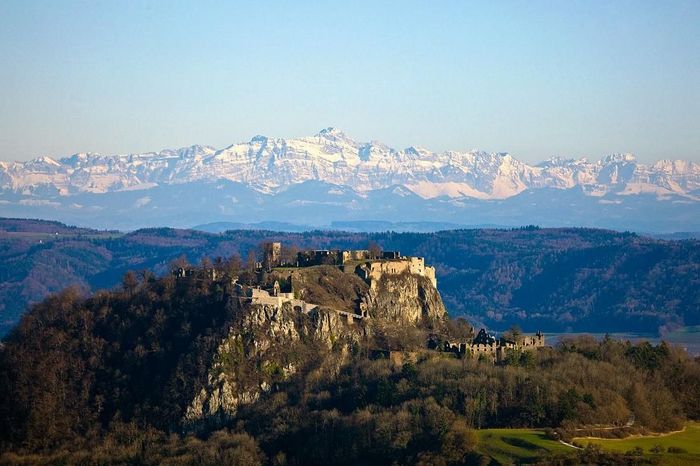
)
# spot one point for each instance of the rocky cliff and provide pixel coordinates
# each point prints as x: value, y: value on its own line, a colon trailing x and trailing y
x: 405, y: 299
x: 268, y: 344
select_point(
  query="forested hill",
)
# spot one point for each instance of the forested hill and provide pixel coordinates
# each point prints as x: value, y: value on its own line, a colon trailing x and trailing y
x: 548, y: 279
x: 188, y: 371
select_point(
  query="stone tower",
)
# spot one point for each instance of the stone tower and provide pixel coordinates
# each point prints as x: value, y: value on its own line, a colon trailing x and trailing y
x: 273, y: 254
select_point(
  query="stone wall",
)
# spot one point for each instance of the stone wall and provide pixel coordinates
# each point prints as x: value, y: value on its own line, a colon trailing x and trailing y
x: 374, y: 270
x: 263, y: 298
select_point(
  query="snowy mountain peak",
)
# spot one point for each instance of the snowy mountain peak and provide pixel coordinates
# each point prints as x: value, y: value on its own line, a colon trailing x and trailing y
x: 259, y: 138
x: 77, y: 159
x: 194, y: 151
x: 676, y: 166
x: 335, y: 135
x: 556, y: 161
x: 43, y: 164
x: 45, y: 160
x: 330, y: 131
x: 418, y: 151
x: 618, y: 158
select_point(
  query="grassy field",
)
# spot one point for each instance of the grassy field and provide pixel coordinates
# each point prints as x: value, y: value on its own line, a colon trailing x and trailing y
x: 688, y: 440
x: 511, y: 445
x: 508, y: 446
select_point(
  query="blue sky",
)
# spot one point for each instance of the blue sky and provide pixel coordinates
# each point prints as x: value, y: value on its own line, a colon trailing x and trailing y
x: 534, y: 78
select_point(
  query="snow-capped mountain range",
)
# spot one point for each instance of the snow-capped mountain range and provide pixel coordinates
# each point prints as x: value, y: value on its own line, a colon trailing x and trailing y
x: 315, y: 181
x: 270, y: 165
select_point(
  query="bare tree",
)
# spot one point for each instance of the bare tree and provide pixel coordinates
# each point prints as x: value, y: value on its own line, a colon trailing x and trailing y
x: 251, y: 261
x: 180, y: 262
x: 130, y: 281
x: 375, y: 250
x: 289, y: 254
x: 513, y: 333
x: 232, y: 266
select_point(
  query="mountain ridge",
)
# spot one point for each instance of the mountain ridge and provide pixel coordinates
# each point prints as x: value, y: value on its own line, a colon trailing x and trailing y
x: 271, y: 165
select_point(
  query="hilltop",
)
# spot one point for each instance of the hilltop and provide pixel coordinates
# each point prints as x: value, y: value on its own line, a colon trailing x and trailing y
x: 197, y: 345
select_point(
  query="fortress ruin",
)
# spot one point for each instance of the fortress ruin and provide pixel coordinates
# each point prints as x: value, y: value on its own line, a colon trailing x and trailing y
x: 370, y: 266
x: 486, y: 345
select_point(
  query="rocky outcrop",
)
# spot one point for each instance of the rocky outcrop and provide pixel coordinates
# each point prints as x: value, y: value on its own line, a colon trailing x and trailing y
x: 267, y: 345
x: 405, y: 299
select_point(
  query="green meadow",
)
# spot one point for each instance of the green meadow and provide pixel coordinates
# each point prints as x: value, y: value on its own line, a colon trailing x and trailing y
x: 688, y: 441
x: 508, y: 446
x: 511, y: 445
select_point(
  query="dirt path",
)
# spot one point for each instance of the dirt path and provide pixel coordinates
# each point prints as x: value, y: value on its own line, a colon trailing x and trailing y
x: 570, y: 445
x: 652, y: 435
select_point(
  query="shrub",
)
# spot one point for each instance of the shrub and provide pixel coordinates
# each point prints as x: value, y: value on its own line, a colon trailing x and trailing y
x: 677, y: 450
x: 657, y: 449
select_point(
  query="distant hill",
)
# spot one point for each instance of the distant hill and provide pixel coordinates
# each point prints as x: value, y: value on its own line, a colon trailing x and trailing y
x: 24, y: 225
x: 367, y: 226
x: 220, y: 227
x: 677, y: 235
x: 548, y: 279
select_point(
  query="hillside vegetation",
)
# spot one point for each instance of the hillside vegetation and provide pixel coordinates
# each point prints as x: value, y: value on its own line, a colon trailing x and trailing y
x: 323, y: 284
x: 168, y: 371
x: 684, y: 441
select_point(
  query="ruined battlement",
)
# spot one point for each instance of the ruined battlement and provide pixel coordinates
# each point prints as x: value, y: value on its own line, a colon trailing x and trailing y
x: 372, y: 271
x: 397, y: 274
x: 341, y: 257
x: 276, y: 299
x: 369, y: 265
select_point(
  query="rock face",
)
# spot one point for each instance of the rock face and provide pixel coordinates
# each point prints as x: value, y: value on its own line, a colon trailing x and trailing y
x: 405, y: 299
x: 269, y: 344
x: 266, y: 346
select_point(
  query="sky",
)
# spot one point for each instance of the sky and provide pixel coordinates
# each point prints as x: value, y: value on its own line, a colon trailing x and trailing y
x: 533, y: 78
